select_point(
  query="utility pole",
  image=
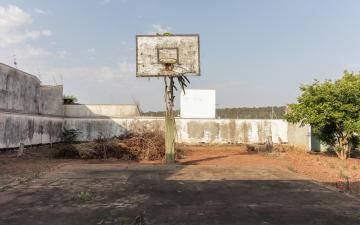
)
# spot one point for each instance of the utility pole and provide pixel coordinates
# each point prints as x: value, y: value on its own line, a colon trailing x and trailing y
x: 169, y: 121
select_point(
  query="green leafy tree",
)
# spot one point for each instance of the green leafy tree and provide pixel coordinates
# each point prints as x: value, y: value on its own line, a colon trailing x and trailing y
x: 333, y: 111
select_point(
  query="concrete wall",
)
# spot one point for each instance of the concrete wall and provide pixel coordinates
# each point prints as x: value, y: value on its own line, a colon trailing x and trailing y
x: 51, y: 100
x: 32, y: 129
x: 19, y: 91
x: 93, y: 111
x: 33, y: 114
x: 29, y: 113
x: 28, y: 129
x: 192, y: 131
x: 299, y: 136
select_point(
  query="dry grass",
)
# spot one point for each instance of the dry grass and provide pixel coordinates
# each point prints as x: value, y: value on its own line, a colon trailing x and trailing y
x: 136, y: 146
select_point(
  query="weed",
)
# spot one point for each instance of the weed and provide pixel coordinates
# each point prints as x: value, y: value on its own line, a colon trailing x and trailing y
x: 346, y: 180
x: 343, y: 176
x: 122, y: 220
x: 84, y: 196
x: 332, y: 166
x: 354, y: 168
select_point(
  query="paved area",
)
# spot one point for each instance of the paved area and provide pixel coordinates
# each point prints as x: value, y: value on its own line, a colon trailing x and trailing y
x: 178, y: 194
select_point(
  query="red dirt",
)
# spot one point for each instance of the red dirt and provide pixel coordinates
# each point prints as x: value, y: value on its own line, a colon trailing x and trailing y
x: 319, y: 167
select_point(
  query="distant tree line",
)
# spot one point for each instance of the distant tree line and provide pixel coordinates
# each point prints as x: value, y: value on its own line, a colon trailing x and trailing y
x: 275, y: 112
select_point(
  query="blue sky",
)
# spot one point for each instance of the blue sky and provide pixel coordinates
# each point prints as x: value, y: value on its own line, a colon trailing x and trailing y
x: 254, y: 53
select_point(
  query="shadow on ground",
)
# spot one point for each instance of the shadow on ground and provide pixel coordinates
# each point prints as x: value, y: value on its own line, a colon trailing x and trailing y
x: 115, y: 194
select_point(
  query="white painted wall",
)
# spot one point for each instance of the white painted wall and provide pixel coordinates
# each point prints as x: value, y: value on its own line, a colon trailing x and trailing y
x: 190, y: 131
x: 197, y: 103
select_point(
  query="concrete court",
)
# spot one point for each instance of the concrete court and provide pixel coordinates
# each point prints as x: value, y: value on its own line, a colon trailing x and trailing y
x: 177, y: 194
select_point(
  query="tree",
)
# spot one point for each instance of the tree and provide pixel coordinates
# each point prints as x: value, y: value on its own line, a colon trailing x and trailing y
x: 332, y: 109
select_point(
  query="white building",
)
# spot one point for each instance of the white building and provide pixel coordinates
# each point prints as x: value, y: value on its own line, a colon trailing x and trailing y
x: 197, y: 103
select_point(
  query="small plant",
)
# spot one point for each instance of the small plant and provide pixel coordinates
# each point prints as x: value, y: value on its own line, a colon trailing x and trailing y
x: 346, y: 180
x: 69, y: 100
x: 164, y: 34
x: 269, y: 144
x: 332, y: 166
x: 122, y: 220
x: 84, y: 196
x: 342, y: 175
x: 353, y: 168
x: 70, y: 135
x: 139, y: 220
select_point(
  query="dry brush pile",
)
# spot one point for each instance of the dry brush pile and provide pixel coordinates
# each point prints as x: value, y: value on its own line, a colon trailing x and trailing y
x: 136, y: 146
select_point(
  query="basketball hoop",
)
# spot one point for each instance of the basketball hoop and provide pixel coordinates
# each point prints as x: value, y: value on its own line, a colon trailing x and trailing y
x: 169, y: 56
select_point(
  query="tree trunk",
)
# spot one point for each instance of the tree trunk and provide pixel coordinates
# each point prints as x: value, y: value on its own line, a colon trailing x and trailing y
x: 344, y: 147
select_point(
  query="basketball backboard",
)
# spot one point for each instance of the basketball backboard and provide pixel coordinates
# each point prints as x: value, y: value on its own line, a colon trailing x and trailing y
x: 167, y: 55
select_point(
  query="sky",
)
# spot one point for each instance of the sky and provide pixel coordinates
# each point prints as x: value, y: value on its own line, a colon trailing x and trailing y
x: 253, y: 53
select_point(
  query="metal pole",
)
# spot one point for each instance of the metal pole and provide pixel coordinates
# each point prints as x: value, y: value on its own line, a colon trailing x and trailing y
x: 169, y: 121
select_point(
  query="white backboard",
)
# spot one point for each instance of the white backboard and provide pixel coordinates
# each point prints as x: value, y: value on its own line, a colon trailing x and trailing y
x: 197, y: 103
x: 167, y: 55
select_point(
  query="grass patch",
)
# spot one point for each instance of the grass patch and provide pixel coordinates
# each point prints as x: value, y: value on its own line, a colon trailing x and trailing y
x: 84, y: 196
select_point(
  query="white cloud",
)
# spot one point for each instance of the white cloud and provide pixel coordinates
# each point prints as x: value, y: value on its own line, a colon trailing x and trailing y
x: 40, y: 11
x: 13, y: 16
x: 119, y: 75
x: 91, y: 50
x: 12, y: 21
x: 157, y: 28
x: 126, y: 67
x: 29, y: 52
x: 10, y: 38
x: 114, y: 84
x: 15, y: 37
x: 63, y: 54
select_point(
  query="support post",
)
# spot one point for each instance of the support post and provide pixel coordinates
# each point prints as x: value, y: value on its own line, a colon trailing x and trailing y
x: 169, y: 121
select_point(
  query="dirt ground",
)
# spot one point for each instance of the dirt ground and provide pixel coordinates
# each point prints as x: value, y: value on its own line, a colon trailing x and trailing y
x: 209, y: 185
x: 320, y: 167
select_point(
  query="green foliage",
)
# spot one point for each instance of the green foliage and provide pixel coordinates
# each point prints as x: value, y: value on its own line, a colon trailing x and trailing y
x: 333, y: 111
x: 276, y: 112
x: 84, y: 196
x: 69, y: 99
x: 164, y: 34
